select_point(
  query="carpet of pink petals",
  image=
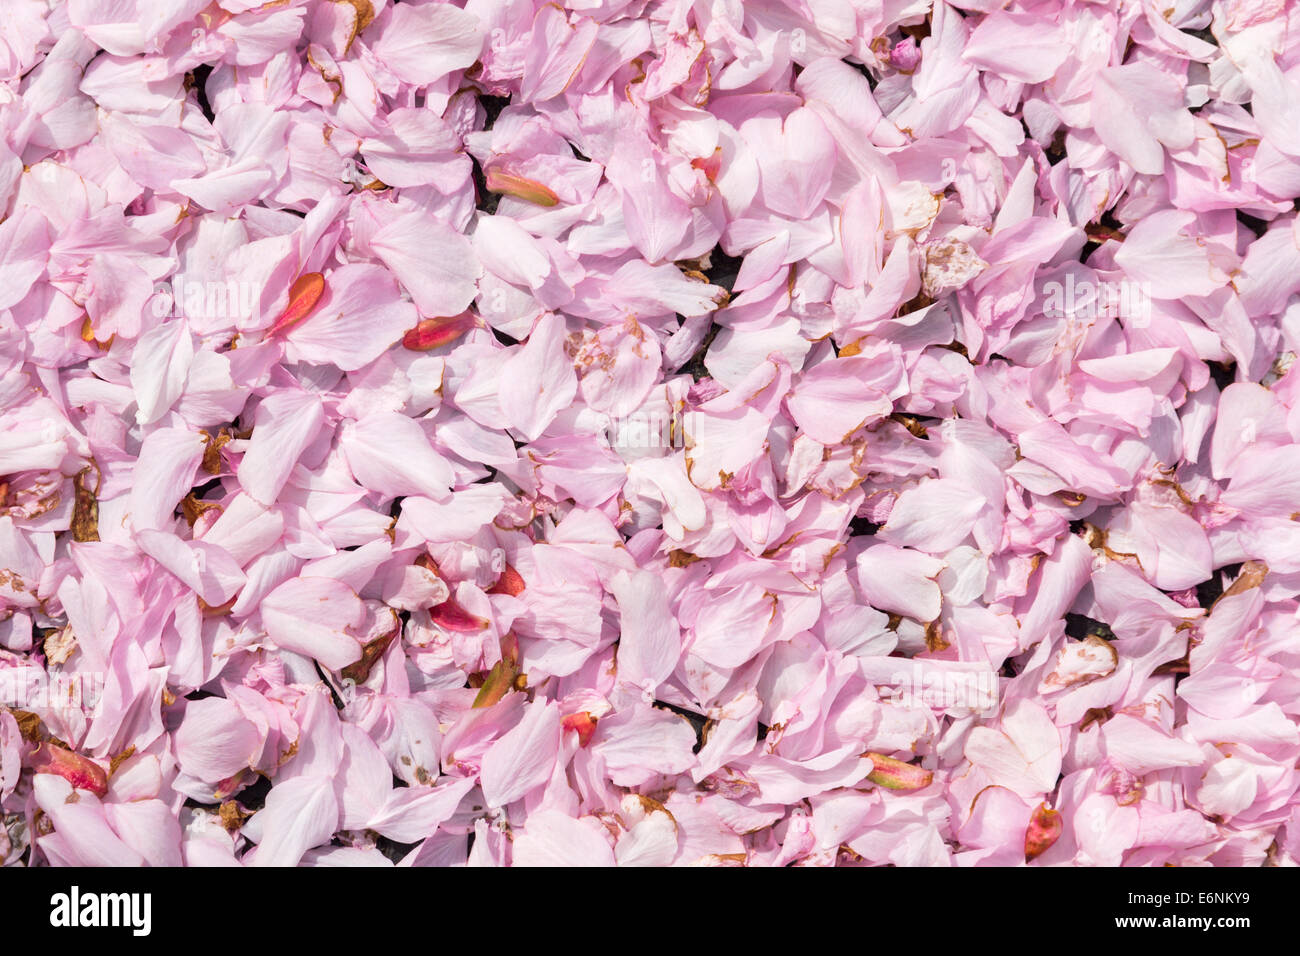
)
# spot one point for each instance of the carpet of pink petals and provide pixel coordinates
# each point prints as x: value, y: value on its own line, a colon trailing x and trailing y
x: 649, y: 432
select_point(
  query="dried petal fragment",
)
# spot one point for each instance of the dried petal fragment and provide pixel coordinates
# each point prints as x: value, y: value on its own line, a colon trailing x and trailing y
x: 85, y: 511
x: 371, y: 652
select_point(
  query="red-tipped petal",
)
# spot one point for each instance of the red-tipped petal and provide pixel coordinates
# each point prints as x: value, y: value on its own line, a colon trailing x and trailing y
x: 1044, y: 828
x: 450, y: 616
x: 510, y: 583
x: 81, y: 772
x: 509, y: 184
x: 896, y: 775
x: 303, y: 296
x: 709, y: 165
x: 233, y: 783
x: 583, y: 723
x: 431, y: 333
